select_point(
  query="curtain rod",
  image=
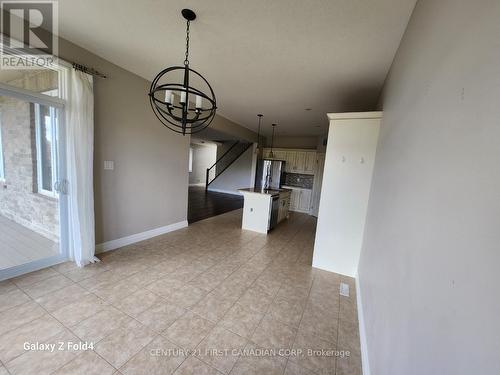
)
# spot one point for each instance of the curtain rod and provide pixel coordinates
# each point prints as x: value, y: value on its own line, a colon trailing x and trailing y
x: 88, y: 70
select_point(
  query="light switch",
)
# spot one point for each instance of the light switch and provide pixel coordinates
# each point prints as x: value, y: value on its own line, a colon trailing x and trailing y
x: 109, y: 165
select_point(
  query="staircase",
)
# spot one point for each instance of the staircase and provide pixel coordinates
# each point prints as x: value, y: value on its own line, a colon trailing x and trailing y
x: 225, y: 160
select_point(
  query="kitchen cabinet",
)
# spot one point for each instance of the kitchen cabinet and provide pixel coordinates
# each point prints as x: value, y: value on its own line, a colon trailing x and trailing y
x: 284, y: 205
x: 300, y: 161
x: 310, y: 162
x: 297, y: 161
x: 304, y: 200
x: 294, y: 200
x: 300, y: 199
x: 280, y: 155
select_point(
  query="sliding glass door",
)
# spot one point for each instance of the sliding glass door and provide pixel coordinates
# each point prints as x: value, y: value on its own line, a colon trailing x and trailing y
x: 33, y: 186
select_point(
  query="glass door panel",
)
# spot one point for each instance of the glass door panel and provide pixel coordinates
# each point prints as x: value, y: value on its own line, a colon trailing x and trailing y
x: 31, y: 204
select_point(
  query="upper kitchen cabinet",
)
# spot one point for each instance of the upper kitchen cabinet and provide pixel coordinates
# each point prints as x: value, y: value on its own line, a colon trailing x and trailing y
x: 297, y: 161
x: 310, y: 163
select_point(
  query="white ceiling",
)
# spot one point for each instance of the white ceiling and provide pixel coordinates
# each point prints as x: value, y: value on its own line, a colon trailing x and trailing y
x: 276, y: 57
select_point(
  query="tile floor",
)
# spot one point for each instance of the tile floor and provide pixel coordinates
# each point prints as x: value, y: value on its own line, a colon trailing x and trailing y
x: 207, y: 299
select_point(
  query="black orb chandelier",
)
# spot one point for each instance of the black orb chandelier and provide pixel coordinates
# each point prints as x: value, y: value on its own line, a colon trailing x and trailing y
x: 171, y: 101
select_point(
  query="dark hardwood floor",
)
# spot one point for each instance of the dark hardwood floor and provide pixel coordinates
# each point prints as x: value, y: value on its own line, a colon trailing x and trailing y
x: 204, y: 204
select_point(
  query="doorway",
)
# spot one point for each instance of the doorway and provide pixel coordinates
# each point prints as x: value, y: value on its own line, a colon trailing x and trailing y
x: 33, y: 183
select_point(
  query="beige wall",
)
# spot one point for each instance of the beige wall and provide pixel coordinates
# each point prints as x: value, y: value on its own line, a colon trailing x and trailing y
x: 149, y: 185
x: 294, y: 142
x: 428, y: 270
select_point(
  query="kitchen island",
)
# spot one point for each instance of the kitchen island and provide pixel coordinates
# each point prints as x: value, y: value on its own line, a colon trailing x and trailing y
x: 263, y: 208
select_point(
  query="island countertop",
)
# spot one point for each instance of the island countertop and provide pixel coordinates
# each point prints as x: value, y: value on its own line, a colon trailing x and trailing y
x: 263, y: 191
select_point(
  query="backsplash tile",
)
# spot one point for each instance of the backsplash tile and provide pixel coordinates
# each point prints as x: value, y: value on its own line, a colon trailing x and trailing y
x: 304, y: 181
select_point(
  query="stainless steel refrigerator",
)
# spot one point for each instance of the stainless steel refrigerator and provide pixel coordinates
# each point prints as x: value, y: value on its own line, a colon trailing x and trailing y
x: 270, y: 174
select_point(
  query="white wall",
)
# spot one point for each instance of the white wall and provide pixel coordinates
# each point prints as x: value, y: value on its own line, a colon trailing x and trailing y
x: 344, y: 194
x: 240, y: 174
x: 429, y: 269
x: 204, y: 156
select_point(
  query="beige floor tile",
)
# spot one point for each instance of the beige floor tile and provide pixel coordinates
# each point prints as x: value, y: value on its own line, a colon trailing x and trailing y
x: 350, y: 365
x: 86, y: 363
x: 164, y: 286
x: 98, y: 326
x: 82, y: 309
x: 256, y: 362
x: 47, y: 286
x: 255, y: 299
x: 82, y: 273
x: 286, y: 311
x: 7, y: 286
x: 213, y: 306
x: 348, y: 336
x: 65, y: 267
x: 42, y: 329
x: 138, y: 301
x: 273, y: 334
x: 102, y: 280
x: 62, y: 297
x: 19, y: 315
x: 188, y: 331
x: 116, y: 291
x: 160, y: 316
x: 244, y: 274
x: 39, y: 362
x: 268, y: 285
x: 193, y: 365
x: 13, y: 298
x: 208, y: 281
x: 293, y: 293
x: 294, y: 369
x: 123, y: 343
x: 34, y: 277
x: 186, y: 296
x: 241, y: 320
x: 146, y: 277
x: 314, y: 354
x: 160, y: 357
x: 220, y: 349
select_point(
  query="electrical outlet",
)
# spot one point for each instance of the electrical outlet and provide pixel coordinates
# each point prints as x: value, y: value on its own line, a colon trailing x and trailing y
x: 344, y: 289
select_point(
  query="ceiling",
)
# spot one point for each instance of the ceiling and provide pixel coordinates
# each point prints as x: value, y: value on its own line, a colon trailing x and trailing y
x: 276, y: 57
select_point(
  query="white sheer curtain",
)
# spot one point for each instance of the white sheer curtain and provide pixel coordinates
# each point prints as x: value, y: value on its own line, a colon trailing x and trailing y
x: 80, y: 155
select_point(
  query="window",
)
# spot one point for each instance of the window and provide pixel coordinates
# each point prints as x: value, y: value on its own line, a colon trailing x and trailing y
x: 2, y: 170
x: 46, y: 149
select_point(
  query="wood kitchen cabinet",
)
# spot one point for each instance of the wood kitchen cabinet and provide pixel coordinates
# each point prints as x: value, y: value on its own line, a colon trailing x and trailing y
x: 297, y: 161
x: 304, y: 200
x: 310, y: 162
x: 300, y: 199
x: 300, y: 161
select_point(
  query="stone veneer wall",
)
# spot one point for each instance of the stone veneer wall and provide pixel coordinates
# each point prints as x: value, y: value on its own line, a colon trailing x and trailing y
x: 19, y: 200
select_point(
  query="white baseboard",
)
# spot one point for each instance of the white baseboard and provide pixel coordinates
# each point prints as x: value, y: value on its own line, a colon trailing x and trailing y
x: 124, y: 241
x: 232, y: 192
x: 362, y: 331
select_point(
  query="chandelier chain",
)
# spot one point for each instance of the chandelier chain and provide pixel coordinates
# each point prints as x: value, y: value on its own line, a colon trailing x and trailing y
x: 186, y: 61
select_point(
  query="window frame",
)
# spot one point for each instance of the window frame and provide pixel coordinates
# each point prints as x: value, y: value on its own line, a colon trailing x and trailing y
x: 2, y: 166
x: 53, y: 150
